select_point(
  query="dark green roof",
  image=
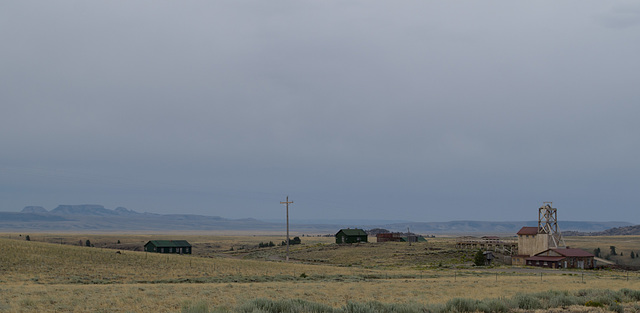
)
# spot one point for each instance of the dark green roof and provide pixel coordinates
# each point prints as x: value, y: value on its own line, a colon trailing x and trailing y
x: 353, y: 232
x: 169, y: 243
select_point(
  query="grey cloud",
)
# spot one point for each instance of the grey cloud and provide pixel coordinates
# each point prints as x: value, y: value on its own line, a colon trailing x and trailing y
x: 621, y: 16
x: 225, y: 106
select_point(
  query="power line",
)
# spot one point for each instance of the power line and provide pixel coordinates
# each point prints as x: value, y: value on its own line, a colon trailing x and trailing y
x: 287, y: 205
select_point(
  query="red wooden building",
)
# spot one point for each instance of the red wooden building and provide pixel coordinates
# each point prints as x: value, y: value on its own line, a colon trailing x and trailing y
x: 562, y: 258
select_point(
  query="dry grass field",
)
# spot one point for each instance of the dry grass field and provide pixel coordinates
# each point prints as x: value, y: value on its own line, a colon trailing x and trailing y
x: 43, y: 275
x: 623, y: 244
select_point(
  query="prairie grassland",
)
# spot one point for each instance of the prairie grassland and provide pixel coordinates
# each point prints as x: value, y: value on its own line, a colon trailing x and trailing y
x: 38, y: 276
x: 203, y: 244
x: 169, y: 297
x: 386, y: 255
x: 623, y: 244
x: 62, y: 264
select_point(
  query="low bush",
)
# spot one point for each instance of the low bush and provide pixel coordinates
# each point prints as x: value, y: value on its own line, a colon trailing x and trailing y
x: 283, y: 306
x: 594, y: 304
x: 527, y: 302
x: 461, y: 305
x: 611, y: 300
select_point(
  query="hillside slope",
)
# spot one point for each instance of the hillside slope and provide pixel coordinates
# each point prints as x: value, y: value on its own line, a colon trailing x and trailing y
x: 616, y: 231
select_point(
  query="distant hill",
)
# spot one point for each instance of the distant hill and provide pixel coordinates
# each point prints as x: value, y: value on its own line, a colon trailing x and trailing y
x: 84, y: 209
x: 459, y: 227
x: 17, y: 218
x: 34, y: 209
x: 616, y: 231
x: 94, y: 217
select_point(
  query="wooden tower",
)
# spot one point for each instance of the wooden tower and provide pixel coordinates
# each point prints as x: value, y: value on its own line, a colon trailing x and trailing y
x: 548, y: 224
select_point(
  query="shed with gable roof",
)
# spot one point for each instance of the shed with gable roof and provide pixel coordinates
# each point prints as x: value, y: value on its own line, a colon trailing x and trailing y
x: 168, y: 246
x: 351, y: 235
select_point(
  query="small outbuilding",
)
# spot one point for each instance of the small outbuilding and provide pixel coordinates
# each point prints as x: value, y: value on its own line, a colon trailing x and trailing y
x: 351, y: 235
x: 488, y: 257
x: 168, y: 246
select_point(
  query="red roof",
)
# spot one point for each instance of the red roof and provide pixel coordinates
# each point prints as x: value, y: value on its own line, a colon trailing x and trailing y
x: 545, y: 258
x: 573, y: 252
x: 528, y: 231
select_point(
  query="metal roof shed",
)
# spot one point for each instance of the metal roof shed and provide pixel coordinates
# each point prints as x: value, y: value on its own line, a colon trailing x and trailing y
x: 168, y: 246
x: 351, y: 235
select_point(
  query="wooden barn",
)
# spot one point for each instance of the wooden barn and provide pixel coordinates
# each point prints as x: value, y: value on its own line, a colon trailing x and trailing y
x: 384, y: 237
x: 399, y: 237
x: 351, y: 235
x: 563, y: 258
x: 168, y: 246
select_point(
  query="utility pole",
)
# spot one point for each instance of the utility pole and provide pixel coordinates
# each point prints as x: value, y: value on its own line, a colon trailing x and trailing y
x: 287, y: 204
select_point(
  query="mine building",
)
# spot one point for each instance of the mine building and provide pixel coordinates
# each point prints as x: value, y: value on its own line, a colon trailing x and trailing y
x: 543, y: 245
x: 563, y: 258
x: 534, y: 240
x: 351, y: 235
x: 487, y: 243
x: 168, y: 246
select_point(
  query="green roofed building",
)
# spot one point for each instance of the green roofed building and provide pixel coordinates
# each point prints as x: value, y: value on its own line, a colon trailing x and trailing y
x: 168, y: 246
x: 350, y: 235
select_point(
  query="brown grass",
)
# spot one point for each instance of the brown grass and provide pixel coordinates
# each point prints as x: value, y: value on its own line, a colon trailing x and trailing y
x: 38, y: 276
x: 624, y: 244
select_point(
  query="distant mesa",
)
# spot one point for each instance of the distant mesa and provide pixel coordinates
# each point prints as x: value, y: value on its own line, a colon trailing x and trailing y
x: 82, y: 209
x: 34, y: 209
x: 124, y: 211
x: 79, y: 209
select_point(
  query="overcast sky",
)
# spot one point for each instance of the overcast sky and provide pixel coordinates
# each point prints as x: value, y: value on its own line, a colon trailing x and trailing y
x: 404, y: 110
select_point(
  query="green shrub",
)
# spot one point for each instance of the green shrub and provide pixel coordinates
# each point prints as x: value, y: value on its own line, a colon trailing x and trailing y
x: 461, y: 305
x: 479, y: 258
x: 633, y: 295
x: 494, y: 306
x: 283, y: 306
x: 527, y: 302
x: 594, y: 304
x: 606, y: 297
x: 563, y: 300
x: 543, y: 300
x: 615, y: 307
x: 377, y: 307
